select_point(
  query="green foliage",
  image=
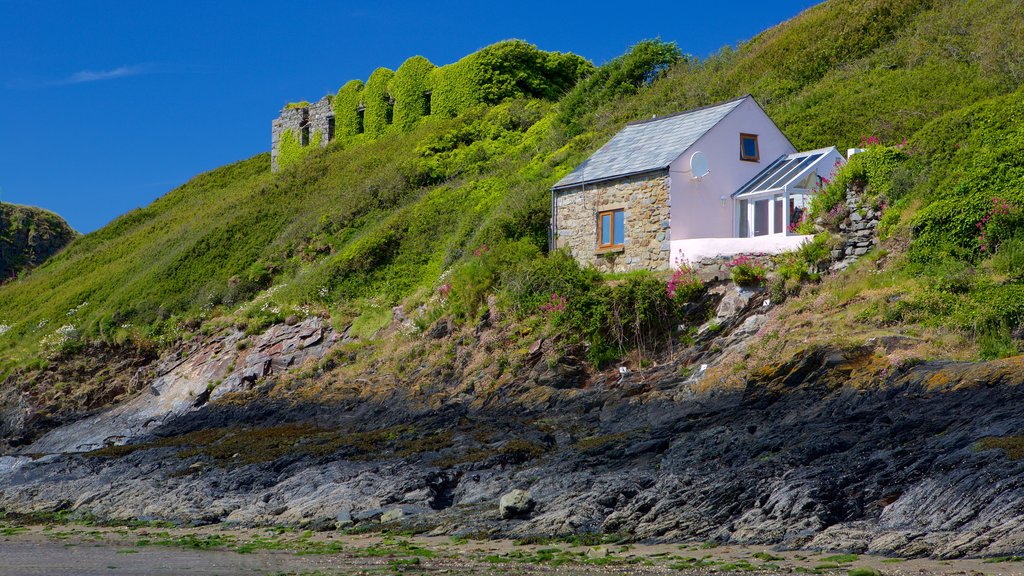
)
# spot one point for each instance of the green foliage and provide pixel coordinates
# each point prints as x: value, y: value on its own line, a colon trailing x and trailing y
x: 871, y: 171
x: 453, y: 88
x: 373, y: 319
x: 745, y: 271
x: 623, y: 76
x: 291, y: 149
x: 346, y: 105
x: 296, y: 105
x: 970, y: 158
x: 379, y: 110
x: 517, y: 69
x: 408, y: 88
x: 1009, y: 258
x: 805, y: 262
x: 509, y: 69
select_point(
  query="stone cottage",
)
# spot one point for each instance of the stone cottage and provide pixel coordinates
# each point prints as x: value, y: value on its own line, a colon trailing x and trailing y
x: 714, y: 181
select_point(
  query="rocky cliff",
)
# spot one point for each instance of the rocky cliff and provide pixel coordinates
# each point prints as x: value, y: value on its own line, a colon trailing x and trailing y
x: 28, y: 236
x: 922, y: 460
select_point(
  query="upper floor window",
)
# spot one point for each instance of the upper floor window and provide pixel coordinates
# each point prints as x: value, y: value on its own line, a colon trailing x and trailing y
x: 611, y: 229
x: 748, y: 148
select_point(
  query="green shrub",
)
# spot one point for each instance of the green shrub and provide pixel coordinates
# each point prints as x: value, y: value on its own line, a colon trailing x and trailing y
x: 745, y: 271
x: 1009, y: 258
x: 625, y: 75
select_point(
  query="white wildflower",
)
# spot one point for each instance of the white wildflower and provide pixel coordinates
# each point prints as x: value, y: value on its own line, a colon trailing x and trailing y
x: 322, y: 291
x: 4, y: 329
x: 42, y: 324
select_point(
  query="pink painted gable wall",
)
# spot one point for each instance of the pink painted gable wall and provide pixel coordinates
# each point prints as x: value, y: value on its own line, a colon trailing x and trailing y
x: 697, y: 210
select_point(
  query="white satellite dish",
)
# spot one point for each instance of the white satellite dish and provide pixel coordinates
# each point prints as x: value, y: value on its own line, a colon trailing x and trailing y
x: 699, y: 165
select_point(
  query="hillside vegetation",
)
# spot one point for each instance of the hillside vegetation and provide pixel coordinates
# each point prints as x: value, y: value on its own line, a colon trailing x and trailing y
x: 439, y: 213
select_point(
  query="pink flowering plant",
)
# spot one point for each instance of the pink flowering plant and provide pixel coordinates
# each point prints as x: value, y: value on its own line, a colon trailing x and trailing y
x: 1000, y: 223
x: 554, y: 307
x: 745, y: 271
x: 685, y: 283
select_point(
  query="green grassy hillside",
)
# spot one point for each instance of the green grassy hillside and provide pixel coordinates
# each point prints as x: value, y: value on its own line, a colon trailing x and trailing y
x: 370, y: 222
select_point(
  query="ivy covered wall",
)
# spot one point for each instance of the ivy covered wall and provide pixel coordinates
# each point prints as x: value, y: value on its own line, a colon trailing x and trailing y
x: 408, y: 88
x: 377, y: 101
x: 346, y: 110
x: 499, y: 72
x: 292, y: 149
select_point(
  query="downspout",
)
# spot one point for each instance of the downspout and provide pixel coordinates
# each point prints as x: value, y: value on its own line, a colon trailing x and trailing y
x: 552, y: 230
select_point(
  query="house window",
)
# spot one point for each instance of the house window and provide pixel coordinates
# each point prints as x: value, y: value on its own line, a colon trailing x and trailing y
x: 611, y: 229
x: 748, y: 148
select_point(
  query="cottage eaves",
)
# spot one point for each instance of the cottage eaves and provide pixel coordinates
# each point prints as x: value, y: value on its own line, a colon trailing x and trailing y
x: 648, y: 145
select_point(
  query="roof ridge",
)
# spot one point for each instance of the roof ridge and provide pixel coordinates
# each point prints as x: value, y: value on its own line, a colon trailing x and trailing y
x: 690, y: 111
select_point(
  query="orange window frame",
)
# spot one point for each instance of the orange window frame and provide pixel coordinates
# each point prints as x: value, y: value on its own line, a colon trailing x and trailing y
x: 601, y: 240
x: 757, y: 148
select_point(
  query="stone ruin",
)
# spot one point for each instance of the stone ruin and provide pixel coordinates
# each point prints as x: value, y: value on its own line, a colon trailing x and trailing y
x: 303, y: 121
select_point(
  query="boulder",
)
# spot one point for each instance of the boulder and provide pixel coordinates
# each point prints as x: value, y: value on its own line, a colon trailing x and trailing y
x: 516, y: 504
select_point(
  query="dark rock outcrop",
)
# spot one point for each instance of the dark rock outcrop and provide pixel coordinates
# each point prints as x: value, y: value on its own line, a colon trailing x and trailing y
x: 28, y: 236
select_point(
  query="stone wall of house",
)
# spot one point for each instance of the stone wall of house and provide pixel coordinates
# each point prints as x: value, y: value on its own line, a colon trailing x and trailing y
x: 645, y: 203
x: 290, y: 119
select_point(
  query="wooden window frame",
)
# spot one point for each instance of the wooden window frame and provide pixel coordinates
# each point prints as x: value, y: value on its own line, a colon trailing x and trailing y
x: 611, y: 229
x: 757, y: 148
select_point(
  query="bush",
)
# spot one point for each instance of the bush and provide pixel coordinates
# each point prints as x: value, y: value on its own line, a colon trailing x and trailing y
x: 623, y: 76
x: 1009, y: 258
x: 745, y: 271
x: 685, y: 284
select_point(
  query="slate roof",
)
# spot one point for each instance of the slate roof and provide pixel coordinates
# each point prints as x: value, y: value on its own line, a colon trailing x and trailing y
x: 648, y: 145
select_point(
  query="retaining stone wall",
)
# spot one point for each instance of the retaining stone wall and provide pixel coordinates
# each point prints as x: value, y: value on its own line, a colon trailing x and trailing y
x: 717, y: 268
x: 645, y: 203
x: 859, y: 231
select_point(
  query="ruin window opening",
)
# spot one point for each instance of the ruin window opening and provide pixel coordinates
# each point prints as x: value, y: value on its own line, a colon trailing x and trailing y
x: 304, y: 128
x: 330, y: 128
x: 360, y: 112
x: 426, y: 102
x: 389, y: 111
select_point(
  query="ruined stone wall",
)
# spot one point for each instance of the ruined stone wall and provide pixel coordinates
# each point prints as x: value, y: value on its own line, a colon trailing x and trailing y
x: 645, y: 203
x: 320, y: 115
x: 290, y: 119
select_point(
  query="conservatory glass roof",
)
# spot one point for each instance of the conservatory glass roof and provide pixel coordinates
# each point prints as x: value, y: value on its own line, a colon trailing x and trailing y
x: 782, y: 173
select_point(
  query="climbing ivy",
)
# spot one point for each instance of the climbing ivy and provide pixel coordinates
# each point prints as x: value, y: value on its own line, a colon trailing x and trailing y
x: 453, y: 88
x: 377, y: 115
x: 346, y: 109
x: 408, y: 86
x: 292, y: 150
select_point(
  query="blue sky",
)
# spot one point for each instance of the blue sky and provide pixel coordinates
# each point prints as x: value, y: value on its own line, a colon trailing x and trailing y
x: 105, y: 105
